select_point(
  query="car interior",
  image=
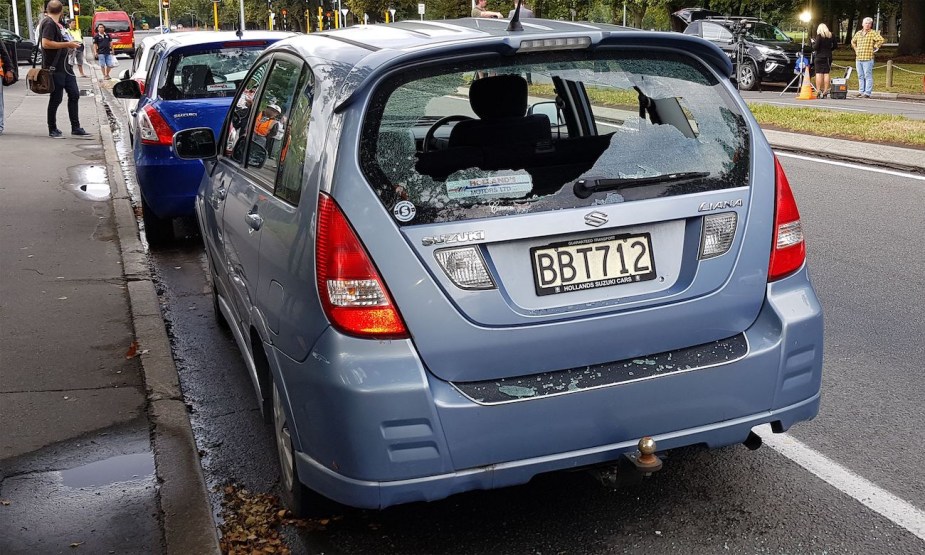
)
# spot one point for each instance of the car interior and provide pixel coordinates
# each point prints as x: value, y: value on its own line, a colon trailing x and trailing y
x: 637, y: 126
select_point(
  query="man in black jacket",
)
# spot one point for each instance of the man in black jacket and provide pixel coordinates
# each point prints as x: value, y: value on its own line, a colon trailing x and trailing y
x: 54, y: 55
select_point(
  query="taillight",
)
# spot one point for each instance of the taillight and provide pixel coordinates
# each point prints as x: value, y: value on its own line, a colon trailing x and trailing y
x: 141, y: 84
x: 352, y: 293
x: 788, y: 252
x: 153, y: 128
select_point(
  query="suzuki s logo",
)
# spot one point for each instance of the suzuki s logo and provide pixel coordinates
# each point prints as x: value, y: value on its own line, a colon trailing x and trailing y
x: 723, y: 204
x: 596, y: 219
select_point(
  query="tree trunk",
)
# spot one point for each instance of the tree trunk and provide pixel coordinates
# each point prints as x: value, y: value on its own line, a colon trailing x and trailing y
x: 912, y: 38
x: 891, y: 35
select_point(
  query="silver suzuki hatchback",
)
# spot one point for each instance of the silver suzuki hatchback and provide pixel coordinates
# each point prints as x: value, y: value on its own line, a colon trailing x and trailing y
x: 455, y: 255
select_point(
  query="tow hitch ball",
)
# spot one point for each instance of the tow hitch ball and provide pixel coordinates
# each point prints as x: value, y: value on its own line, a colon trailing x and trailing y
x: 645, y: 459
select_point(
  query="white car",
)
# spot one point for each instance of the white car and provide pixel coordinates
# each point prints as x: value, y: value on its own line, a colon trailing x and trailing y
x: 139, y: 74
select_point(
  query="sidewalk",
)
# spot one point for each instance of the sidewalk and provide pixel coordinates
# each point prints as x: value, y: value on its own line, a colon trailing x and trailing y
x: 96, y: 450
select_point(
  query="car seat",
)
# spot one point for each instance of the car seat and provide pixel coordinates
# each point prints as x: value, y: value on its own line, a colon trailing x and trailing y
x: 195, y: 79
x: 500, y: 102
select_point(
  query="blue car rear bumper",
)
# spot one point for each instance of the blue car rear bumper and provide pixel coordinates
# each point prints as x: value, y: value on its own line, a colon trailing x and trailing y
x: 168, y: 184
x: 377, y: 428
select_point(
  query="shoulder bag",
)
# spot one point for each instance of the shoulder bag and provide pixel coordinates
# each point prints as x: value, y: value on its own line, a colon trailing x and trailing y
x: 40, y: 80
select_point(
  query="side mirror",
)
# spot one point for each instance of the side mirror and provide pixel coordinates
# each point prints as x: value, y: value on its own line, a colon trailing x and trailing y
x: 256, y: 156
x: 124, y: 75
x: 126, y: 89
x: 197, y: 143
x: 548, y: 109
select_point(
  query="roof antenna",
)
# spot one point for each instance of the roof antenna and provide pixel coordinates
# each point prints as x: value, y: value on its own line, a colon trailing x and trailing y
x: 515, y: 25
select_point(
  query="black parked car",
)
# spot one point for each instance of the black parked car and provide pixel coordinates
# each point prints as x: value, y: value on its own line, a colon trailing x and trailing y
x: 769, y: 54
x: 25, y: 48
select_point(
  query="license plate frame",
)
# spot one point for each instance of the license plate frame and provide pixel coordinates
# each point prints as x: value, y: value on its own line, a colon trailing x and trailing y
x: 634, y: 263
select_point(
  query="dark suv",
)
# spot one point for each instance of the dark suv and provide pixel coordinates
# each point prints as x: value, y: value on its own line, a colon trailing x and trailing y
x: 769, y: 54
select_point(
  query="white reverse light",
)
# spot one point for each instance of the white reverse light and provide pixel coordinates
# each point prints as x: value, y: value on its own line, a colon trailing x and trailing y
x: 718, y: 232
x: 465, y: 267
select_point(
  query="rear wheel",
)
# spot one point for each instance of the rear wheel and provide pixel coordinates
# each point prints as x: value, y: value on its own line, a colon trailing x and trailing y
x: 300, y: 500
x: 158, y: 230
x: 216, y: 309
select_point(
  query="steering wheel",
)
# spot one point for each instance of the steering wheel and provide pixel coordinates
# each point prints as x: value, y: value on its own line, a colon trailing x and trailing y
x: 429, y: 137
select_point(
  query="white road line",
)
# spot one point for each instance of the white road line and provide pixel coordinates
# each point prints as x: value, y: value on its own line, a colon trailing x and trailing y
x: 898, y: 511
x: 819, y: 106
x: 850, y: 165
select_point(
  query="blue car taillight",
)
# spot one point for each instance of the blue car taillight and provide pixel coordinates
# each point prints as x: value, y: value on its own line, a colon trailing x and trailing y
x: 153, y: 128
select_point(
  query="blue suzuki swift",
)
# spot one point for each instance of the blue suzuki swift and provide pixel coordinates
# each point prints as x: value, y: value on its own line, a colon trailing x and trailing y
x: 456, y: 255
x: 191, y: 81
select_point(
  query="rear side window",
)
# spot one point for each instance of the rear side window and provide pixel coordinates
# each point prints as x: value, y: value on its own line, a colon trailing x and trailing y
x: 713, y: 31
x: 555, y: 131
x: 268, y: 132
x: 213, y: 73
x: 236, y: 139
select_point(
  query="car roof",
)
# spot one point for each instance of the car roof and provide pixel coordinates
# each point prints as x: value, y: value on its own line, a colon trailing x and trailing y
x: 194, y: 38
x: 367, y: 51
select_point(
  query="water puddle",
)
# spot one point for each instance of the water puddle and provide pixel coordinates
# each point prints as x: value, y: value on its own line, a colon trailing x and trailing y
x: 124, y: 468
x: 89, y: 182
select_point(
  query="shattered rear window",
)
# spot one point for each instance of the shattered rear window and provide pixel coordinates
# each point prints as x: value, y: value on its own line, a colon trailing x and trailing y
x: 594, y: 128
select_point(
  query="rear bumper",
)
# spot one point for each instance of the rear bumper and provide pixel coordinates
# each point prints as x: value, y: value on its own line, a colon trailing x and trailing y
x: 375, y: 428
x: 168, y: 184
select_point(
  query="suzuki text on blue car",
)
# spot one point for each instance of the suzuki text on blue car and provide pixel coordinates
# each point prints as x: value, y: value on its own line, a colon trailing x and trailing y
x: 191, y: 79
x: 456, y: 256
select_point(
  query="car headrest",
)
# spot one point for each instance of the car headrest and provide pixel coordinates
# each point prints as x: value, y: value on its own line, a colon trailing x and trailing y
x: 499, y: 96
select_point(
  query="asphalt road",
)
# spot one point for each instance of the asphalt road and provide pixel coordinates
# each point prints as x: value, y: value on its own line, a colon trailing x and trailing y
x: 863, y: 231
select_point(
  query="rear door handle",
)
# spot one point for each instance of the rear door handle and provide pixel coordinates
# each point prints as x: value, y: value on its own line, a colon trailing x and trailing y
x: 253, y: 219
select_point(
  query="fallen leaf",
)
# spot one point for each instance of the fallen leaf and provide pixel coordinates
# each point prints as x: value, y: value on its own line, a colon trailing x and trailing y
x: 77, y: 544
x: 5, y: 502
x: 132, y: 350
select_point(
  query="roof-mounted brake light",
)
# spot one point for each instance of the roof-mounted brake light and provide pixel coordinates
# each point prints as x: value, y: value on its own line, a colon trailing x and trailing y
x: 561, y: 43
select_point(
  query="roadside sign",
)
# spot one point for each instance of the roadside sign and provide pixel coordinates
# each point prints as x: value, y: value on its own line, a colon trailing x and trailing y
x: 344, y: 11
x: 420, y: 9
x: 392, y: 13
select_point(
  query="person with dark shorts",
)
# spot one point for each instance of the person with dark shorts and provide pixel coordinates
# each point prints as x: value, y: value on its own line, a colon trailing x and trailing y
x: 55, y: 48
x: 823, y: 45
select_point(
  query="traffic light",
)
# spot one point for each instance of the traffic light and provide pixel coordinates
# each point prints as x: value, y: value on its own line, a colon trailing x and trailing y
x: 165, y: 4
x: 76, y: 8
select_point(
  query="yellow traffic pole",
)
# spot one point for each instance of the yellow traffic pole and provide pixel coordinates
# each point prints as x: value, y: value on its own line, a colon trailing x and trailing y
x: 215, y: 14
x: 320, y: 19
x: 387, y: 16
x: 308, y: 21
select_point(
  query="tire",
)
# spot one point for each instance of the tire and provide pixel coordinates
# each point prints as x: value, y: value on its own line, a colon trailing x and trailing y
x: 748, y: 76
x: 300, y: 500
x: 216, y: 309
x: 157, y: 230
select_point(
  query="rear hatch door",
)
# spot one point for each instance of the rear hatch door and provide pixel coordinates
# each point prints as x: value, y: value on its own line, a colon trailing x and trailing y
x: 643, y: 235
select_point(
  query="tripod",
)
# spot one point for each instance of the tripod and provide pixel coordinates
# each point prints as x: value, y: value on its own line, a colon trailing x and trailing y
x: 803, y: 65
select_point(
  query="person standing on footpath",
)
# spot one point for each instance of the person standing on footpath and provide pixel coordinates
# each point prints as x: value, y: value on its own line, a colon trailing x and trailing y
x: 78, y: 36
x: 6, y: 75
x: 102, y: 50
x: 54, y: 58
x: 823, y: 45
x: 866, y: 42
x: 525, y: 12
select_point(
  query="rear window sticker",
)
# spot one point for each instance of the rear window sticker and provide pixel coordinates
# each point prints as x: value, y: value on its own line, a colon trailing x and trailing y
x: 501, y: 186
x: 404, y: 211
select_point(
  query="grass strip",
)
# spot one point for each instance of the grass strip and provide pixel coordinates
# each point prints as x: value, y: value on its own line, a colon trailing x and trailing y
x: 873, y: 128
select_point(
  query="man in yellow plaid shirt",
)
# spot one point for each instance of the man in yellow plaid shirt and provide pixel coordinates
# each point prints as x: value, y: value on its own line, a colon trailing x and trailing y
x: 865, y: 42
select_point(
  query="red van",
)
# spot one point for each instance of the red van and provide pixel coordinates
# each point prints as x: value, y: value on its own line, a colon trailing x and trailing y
x: 120, y: 26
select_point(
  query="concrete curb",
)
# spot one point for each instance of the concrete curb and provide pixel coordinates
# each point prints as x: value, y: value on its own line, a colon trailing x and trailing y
x: 183, y: 498
x: 872, y: 154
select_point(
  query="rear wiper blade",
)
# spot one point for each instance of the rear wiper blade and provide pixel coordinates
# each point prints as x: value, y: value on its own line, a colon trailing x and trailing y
x: 584, y: 188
